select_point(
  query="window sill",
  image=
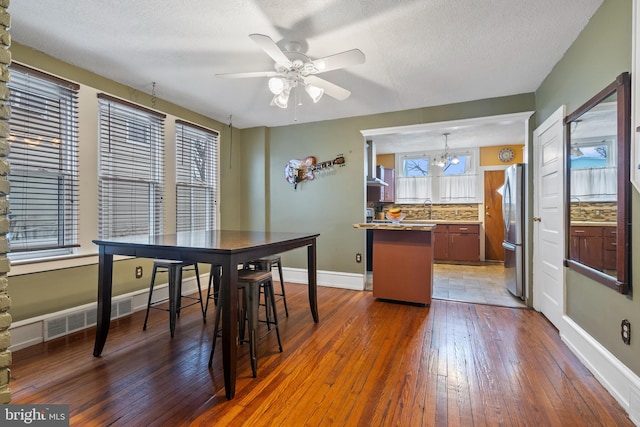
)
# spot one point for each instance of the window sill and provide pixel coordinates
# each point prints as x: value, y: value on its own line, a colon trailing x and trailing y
x: 54, y: 263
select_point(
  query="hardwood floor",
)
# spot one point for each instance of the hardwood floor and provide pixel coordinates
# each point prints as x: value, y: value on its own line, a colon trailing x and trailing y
x: 367, y: 362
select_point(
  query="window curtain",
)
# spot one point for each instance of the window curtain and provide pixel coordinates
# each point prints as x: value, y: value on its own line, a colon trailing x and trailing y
x: 458, y: 188
x: 413, y: 189
x: 44, y: 162
x: 196, y: 177
x: 594, y: 184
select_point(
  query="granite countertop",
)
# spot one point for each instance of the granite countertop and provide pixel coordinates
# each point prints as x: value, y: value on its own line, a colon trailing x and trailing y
x: 594, y: 223
x: 432, y: 221
x: 402, y: 226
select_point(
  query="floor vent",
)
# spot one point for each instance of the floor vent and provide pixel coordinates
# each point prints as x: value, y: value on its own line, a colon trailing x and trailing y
x: 62, y: 325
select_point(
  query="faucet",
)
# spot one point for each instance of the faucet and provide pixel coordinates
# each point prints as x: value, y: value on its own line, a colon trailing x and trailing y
x: 428, y: 200
x: 579, y: 204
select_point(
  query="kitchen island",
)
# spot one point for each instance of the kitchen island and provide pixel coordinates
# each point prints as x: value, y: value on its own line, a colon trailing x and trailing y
x: 402, y: 261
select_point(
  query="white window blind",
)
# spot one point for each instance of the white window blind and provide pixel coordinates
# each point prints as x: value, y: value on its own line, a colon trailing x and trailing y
x: 44, y: 163
x: 196, y: 177
x: 131, y: 166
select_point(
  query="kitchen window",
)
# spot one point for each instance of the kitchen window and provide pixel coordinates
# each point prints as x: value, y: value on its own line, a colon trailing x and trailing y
x: 44, y: 164
x: 196, y: 177
x: 594, y: 171
x: 130, y: 169
x: 419, y: 179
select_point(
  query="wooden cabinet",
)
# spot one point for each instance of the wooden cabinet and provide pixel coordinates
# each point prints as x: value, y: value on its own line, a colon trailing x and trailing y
x: 594, y: 246
x: 383, y: 193
x: 440, y: 242
x: 610, y: 248
x: 457, y: 242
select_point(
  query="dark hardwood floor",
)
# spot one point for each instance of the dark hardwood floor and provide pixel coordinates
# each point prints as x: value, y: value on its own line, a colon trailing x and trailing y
x: 367, y: 362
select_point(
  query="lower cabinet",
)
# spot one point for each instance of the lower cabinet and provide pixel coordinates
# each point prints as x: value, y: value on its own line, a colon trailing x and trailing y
x: 594, y: 246
x: 457, y: 242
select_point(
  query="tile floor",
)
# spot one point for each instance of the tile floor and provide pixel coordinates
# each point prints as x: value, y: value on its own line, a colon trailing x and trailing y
x: 480, y: 284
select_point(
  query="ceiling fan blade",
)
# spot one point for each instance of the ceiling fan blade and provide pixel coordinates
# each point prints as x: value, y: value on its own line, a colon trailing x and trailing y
x: 339, y: 60
x: 245, y: 75
x: 271, y: 48
x: 329, y: 88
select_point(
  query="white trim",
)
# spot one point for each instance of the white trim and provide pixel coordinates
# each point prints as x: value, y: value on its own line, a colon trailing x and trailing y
x: 617, y: 378
x: 525, y: 115
x: 330, y: 279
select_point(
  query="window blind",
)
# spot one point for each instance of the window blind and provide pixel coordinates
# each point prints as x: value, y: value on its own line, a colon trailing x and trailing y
x: 196, y: 177
x: 131, y: 167
x: 44, y: 162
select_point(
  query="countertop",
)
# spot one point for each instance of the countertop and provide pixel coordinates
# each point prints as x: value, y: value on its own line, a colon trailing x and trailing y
x: 402, y: 226
x: 593, y: 223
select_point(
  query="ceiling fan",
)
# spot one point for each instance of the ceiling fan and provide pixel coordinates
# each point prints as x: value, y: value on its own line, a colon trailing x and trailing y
x: 294, y: 69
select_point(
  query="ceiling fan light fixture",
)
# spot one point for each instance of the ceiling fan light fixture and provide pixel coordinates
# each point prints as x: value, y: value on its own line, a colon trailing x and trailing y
x: 276, y: 85
x: 314, y: 92
x: 281, y: 100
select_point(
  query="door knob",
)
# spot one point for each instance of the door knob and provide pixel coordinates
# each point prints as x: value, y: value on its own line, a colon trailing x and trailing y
x: 537, y: 219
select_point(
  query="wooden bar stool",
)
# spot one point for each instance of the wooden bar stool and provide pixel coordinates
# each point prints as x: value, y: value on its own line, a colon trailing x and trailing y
x: 174, y: 269
x: 267, y: 263
x: 250, y: 281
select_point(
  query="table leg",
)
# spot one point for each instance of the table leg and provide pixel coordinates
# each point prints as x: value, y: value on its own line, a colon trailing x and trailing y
x: 175, y: 278
x: 105, y: 273
x: 313, y: 280
x: 229, y: 300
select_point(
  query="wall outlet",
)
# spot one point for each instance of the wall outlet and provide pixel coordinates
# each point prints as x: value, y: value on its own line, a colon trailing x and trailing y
x: 358, y: 257
x: 138, y: 272
x: 625, y: 332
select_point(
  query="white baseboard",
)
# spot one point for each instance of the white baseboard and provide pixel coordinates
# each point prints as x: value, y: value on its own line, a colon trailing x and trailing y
x: 331, y: 279
x: 32, y: 331
x: 618, y: 379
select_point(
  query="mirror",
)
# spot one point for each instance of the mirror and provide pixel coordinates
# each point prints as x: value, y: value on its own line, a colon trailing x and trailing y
x: 597, y: 193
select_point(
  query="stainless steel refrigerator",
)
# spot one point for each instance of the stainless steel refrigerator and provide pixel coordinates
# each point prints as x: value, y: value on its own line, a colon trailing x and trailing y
x: 513, y: 199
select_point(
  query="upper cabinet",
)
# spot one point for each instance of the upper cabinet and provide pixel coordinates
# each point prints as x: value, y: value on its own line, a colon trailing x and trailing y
x: 383, y: 193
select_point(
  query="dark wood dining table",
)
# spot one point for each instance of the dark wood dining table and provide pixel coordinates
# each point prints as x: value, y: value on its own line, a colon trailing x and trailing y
x: 226, y: 248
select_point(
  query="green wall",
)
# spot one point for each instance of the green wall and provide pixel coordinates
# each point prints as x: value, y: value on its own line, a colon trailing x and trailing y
x: 599, y: 54
x: 254, y: 193
x: 333, y: 202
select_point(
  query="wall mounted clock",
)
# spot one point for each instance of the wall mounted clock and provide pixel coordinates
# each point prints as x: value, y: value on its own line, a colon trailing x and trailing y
x: 506, y: 155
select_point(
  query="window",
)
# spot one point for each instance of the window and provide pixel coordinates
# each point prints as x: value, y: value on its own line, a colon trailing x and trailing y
x: 420, y: 179
x: 594, y: 171
x: 196, y: 177
x: 44, y: 164
x: 131, y: 164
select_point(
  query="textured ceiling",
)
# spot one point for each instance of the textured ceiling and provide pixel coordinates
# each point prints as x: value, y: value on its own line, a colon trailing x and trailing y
x: 418, y: 52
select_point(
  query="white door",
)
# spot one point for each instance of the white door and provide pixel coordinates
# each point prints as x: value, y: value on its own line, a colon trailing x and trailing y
x: 548, y: 208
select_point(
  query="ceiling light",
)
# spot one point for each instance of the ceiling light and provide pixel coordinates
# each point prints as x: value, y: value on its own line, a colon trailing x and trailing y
x: 576, y: 151
x: 446, y: 158
x: 281, y: 100
x: 314, y: 92
x: 276, y: 85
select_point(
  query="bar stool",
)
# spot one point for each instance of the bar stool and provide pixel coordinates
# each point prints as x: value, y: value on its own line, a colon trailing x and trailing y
x: 250, y: 282
x: 214, y: 284
x: 267, y: 263
x: 174, y: 269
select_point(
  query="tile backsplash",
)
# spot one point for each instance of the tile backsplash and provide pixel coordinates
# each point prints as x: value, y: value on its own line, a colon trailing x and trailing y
x: 594, y: 211
x: 446, y: 212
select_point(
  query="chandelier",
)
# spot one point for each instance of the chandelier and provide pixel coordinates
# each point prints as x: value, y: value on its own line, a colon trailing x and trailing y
x: 446, y: 158
x: 283, y: 86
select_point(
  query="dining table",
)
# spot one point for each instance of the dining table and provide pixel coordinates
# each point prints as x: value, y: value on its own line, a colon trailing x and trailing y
x: 222, y: 248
